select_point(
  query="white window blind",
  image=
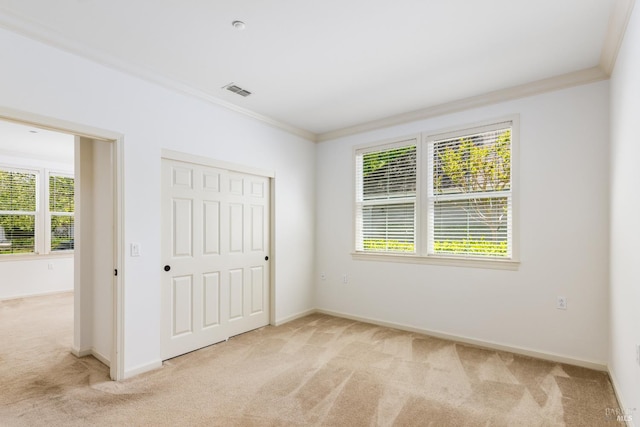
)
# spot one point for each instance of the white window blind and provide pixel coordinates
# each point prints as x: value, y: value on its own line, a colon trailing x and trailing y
x: 18, y: 208
x: 386, y: 198
x: 447, y: 200
x: 61, y: 210
x: 469, y: 194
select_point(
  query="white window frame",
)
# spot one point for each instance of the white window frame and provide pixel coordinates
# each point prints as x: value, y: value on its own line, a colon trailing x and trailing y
x: 48, y: 233
x: 422, y: 226
x: 359, y: 203
x: 42, y: 228
x: 37, y: 232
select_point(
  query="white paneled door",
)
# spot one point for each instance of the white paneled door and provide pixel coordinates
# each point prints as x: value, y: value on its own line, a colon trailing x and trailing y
x: 215, y: 242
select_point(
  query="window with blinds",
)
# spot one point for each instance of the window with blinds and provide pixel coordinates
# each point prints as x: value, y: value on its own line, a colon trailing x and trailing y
x: 448, y: 198
x: 61, y: 210
x: 469, y: 194
x: 18, y: 208
x: 386, y: 198
x: 36, y: 211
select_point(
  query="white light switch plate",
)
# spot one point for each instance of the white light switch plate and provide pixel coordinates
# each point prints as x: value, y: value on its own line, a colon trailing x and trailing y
x: 135, y: 249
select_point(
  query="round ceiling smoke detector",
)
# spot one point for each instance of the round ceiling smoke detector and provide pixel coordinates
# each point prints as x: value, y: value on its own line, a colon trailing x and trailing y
x: 238, y: 25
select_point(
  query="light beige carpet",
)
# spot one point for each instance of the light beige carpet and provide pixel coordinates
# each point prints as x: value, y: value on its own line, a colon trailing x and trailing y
x: 318, y: 370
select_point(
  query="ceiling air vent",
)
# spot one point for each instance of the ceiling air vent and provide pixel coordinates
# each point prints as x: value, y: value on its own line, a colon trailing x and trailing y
x: 237, y: 89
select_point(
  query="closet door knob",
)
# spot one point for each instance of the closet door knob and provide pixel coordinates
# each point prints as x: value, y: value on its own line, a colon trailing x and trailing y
x: 167, y: 267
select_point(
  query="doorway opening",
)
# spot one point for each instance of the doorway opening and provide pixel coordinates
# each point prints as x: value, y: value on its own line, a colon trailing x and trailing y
x: 74, y: 231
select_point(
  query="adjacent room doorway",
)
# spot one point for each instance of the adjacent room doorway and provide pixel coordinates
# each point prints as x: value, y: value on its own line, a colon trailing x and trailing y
x: 98, y: 291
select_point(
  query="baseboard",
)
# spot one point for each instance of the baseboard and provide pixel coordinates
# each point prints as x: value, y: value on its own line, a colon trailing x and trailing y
x: 91, y: 352
x: 621, y: 402
x: 294, y: 317
x: 478, y: 343
x: 140, y: 369
x: 101, y: 357
x: 81, y: 353
x: 37, y: 294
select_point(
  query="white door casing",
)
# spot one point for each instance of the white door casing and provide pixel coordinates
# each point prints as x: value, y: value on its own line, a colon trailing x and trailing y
x: 82, y: 304
x: 215, y: 242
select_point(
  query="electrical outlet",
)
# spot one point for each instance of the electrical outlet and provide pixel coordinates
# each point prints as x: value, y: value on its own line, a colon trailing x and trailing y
x: 50, y: 266
x: 345, y: 278
x: 561, y: 303
x: 323, y: 276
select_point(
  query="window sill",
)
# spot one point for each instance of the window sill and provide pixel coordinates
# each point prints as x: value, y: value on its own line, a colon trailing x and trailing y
x: 494, y: 264
x: 35, y: 257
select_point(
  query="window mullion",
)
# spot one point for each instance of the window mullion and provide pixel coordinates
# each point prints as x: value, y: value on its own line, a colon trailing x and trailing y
x: 421, y: 226
x: 17, y: 212
x: 42, y: 191
x: 467, y: 196
x: 388, y: 202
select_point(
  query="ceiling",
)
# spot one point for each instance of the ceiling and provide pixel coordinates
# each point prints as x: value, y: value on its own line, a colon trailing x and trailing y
x: 321, y: 66
x: 30, y: 142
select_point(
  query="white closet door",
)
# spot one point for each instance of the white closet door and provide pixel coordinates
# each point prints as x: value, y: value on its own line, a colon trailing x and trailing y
x: 215, y: 241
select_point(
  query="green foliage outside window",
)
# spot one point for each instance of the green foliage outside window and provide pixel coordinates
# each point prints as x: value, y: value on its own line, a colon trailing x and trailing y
x: 383, y: 245
x: 371, y: 162
x: 62, y: 233
x: 17, y: 191
x: 468, y: 166
x: 61, y: 194
x: 473, y: 247
x: 475, y: 164
x: 61, y: 190
x: 477, y: 247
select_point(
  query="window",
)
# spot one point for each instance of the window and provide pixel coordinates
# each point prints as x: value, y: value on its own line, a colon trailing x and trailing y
x: 61, y: 210
x: 17, y: 211
x: 469, y: 194
x: 386, y: 198
x: 449, y: 197
x: 32, y: 220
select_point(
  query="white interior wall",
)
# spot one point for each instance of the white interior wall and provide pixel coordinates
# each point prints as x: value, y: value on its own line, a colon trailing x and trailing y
x: 83, y: 253
x: 36, y: 275
x: 103, y: 250
x: 43, y: 80
x: 563, y: 238
x: 625, y: 234
x: 94, y: 254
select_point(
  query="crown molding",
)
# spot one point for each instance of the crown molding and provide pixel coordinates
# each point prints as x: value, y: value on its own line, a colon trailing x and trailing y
x: 617, y: 26
x: 33, y: 30
x: 588, y: 75
x: 618, y: 21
